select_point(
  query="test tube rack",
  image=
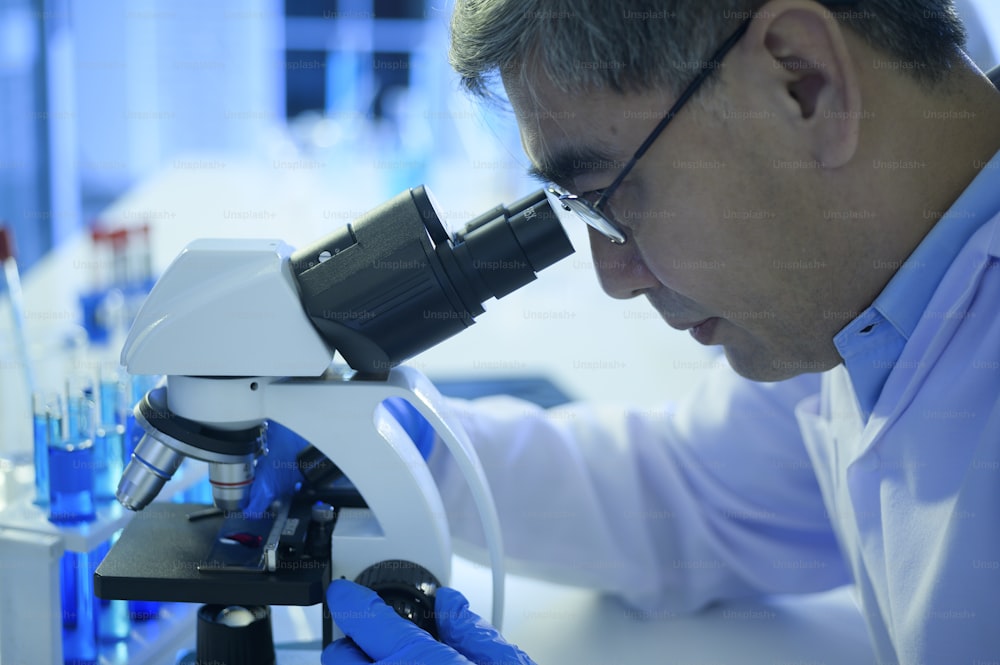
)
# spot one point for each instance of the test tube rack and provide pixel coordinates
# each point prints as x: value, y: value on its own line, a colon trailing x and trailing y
x: 31, y: 548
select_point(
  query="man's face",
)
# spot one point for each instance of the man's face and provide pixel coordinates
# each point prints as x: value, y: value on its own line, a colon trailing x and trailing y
x: 725, y: 232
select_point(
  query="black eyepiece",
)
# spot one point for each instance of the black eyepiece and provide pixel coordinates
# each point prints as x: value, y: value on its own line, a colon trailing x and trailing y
x: 395, y: 283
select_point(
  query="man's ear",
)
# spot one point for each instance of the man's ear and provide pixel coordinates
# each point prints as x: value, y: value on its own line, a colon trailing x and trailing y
x: 797, y: 64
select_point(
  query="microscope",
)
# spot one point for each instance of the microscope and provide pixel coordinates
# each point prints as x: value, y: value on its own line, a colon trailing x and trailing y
x: 245, y: 332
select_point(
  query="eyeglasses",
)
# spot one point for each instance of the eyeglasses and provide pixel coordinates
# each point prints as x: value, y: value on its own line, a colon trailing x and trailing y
x: 593, y: 214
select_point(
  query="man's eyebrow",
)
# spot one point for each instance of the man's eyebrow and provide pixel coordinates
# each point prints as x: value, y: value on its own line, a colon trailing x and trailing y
x: 563, y: 166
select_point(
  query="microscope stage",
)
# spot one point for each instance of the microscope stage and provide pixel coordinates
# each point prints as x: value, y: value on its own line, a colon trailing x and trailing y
x: 159, y: 554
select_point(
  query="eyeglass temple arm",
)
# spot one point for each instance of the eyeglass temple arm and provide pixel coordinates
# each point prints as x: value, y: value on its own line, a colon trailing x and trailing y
x: 706, y: 70
x: 692, y: 88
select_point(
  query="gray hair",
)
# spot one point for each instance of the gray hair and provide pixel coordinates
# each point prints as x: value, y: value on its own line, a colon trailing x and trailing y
x: 640, y: 45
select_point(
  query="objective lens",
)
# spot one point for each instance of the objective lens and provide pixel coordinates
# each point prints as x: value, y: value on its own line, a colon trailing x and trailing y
x: 230, y: 485
x: 170, y: 438
x: 152, y: 465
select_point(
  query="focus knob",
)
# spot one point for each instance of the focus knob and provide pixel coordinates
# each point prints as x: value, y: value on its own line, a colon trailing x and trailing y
x: 405, y: 587
x: 235, y: 635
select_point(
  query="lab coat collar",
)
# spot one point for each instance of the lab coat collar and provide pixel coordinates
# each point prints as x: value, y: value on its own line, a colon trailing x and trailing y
x: 871, y: 345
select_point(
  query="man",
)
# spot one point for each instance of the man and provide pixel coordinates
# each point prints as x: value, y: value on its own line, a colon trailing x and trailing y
x: 838, y: 167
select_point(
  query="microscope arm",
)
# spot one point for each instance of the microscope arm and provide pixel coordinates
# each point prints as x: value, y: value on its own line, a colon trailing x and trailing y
x: 405, y: 518
x: 431, y: 405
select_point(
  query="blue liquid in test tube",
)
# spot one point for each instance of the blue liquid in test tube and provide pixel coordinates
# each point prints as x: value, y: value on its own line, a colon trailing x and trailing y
x: 78, y: 609
x: 69, y: 579
x: 72, y: 466
x: 113, y: 624
x: 140, y: 384
x: 143, y: 610
x: 109, y: 439
x: 47, y: 422
x: 108, y: 444
x: 133, y: 435
x: 71, y: 491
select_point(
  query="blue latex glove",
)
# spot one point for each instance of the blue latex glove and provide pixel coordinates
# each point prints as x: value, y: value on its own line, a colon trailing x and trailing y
x: 376, y: 634
x: 277, y: 475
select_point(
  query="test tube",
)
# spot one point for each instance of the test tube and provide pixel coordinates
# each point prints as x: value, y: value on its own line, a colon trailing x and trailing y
x: 71, y: 462
x: 144, y: 259
x: 71, y: 500
x: 113, y: 624
x: 143, y: 610
x: 109, y: 435
x: 92, y: 299
x: 138, y: 386
x: 119, y: 257
x: 47, y: 422
x: 140, y: 262
x: 79, y: 620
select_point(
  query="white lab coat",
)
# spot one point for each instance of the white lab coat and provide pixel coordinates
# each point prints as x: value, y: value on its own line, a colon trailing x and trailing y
x: 748, y: 488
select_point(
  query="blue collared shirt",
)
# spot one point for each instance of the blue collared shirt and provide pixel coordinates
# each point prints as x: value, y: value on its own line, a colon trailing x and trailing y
x: 872, y: 343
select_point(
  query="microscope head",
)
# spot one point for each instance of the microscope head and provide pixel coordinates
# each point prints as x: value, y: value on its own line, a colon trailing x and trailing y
x: 378, y: 291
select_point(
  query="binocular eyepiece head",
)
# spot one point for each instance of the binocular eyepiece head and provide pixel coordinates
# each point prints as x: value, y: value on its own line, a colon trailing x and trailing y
x: 394, y: 282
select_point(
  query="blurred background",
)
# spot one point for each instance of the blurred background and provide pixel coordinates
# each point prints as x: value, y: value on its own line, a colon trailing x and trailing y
x: 96, y: 97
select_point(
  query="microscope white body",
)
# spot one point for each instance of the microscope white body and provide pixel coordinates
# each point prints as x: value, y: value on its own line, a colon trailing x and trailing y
x: 225, y: 326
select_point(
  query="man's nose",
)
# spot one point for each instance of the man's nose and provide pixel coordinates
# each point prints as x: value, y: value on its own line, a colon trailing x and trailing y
x: 620, y: 268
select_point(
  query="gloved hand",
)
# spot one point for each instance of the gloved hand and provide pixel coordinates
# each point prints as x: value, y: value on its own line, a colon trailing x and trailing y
x: 375, y: 633
x: 277, y: 474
